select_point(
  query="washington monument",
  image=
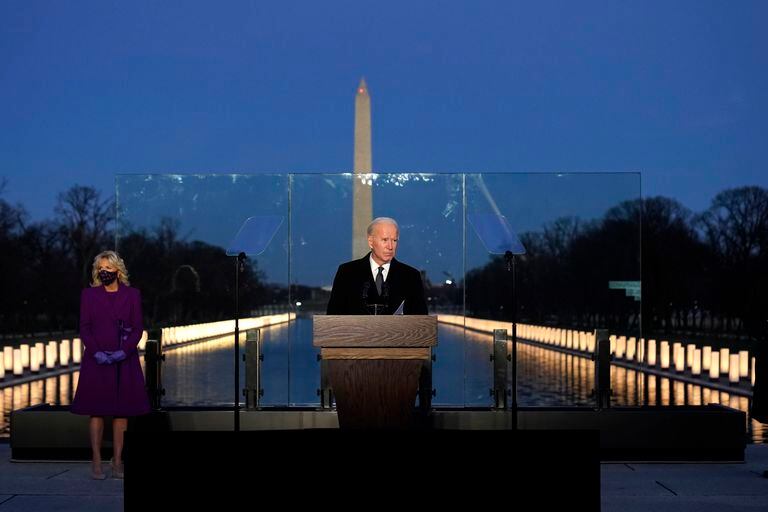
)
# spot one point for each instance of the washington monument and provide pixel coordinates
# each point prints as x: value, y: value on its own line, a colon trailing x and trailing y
x: 362, y: 207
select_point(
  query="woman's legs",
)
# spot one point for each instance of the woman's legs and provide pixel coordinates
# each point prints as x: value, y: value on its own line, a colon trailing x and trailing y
x: 97, y: 432
x: 119, y: 425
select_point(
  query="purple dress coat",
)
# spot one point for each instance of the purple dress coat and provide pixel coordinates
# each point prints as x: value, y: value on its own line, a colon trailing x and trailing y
x: 110, y: 389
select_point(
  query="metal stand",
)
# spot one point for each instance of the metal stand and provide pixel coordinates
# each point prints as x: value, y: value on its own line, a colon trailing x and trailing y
x: 498, y: 237
x: 239, y: 264
x: 510, y: 259
x: 500, y: 359
x: 253, y: 358
x: 252, y: 238
x: 153, y: 359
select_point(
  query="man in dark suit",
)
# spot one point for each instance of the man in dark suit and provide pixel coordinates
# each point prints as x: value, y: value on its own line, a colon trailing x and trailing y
x: 378, y: 283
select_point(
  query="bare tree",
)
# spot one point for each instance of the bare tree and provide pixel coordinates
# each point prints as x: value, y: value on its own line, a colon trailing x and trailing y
x: 11, y: 217
x: 85, y: 224
x: 736, y: 229
x: 560, y: 234
x: 736, y: 225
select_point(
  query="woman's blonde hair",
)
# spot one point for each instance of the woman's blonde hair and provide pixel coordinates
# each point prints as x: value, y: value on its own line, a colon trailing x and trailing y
x: 116, y: 261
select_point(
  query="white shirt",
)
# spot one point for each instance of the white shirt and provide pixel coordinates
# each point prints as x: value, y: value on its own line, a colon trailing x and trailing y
x: 375, y: 269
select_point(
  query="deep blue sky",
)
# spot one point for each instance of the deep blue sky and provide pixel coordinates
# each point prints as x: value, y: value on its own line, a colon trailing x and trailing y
x: 677, y: 90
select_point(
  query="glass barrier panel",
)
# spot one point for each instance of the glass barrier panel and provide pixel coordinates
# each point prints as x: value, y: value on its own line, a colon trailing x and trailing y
x: 173, y: 231
x: 580, y: 271
x: 427, y: 208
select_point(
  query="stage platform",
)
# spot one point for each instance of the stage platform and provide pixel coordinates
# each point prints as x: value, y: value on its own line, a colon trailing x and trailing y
x: 643, y: 434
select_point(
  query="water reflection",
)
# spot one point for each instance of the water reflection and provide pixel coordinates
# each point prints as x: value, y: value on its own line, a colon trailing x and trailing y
x: 461, y: 373
x: 538, y: 382
x: 202, y: 374
x: 50, y: 390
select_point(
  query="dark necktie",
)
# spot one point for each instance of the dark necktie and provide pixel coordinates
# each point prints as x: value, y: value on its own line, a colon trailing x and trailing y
x: 380, y: 280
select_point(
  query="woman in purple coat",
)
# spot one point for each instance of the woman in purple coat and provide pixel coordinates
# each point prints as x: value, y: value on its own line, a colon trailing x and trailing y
x: 111, y: 382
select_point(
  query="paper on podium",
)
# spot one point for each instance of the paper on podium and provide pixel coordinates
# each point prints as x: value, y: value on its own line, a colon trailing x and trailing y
x: 399, y: 310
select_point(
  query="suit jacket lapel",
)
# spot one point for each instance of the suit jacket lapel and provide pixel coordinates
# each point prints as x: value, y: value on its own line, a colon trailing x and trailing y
x: 393, y: 278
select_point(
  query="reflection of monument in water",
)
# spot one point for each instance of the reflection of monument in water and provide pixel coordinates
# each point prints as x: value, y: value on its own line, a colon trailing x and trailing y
x: 362, y: 206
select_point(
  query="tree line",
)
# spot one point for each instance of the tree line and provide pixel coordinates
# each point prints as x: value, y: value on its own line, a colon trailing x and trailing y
x: 702, y: 273
x: 45, y: 264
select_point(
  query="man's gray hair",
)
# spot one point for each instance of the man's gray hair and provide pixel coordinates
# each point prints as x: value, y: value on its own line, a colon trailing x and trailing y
x: 381, y: 220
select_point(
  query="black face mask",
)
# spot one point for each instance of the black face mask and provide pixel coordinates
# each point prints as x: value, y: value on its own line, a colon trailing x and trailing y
x: 107, y: 277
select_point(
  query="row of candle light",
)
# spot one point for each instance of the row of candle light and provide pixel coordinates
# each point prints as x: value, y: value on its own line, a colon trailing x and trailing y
x: 50, y: 356
x: 63, y: 354
x: 672, y: 357
x: 171, y: 336
x: 675, y: 356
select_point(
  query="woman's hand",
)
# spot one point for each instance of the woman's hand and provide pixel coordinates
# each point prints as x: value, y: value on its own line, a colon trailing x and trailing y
x: 117, y: 356
x: 109, y: 357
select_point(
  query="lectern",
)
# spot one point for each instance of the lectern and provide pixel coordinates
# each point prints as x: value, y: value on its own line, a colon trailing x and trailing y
x: 374, y: 363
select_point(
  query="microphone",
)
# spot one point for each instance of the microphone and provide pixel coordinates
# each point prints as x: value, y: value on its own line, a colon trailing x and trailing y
x: 366, y: 285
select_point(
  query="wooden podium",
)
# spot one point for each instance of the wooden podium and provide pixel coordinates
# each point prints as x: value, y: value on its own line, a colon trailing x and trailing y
x: 374, y: 364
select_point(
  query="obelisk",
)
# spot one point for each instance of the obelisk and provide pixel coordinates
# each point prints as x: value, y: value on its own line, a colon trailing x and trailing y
x: 362, y: 206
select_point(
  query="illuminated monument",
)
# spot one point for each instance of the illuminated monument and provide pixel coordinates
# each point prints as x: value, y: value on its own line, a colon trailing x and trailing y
x: 362, y: 208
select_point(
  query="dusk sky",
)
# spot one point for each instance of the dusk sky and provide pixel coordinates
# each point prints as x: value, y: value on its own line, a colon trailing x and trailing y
x: 676, y: 90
